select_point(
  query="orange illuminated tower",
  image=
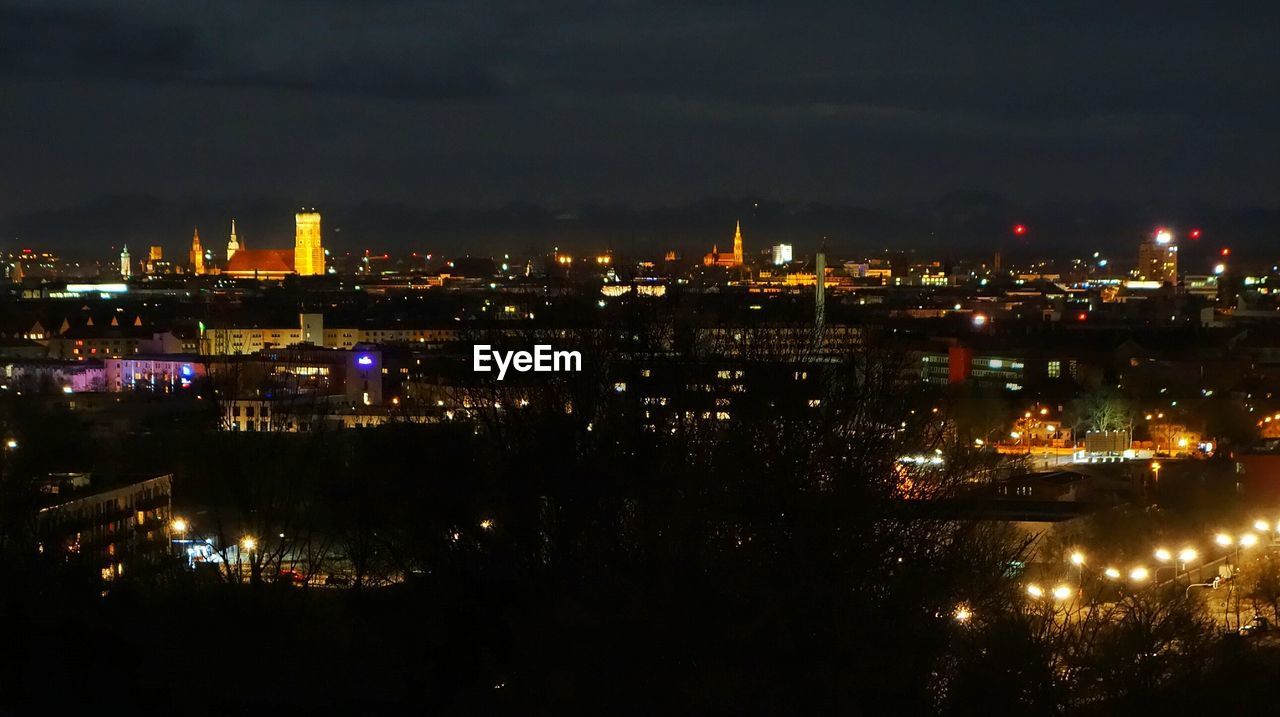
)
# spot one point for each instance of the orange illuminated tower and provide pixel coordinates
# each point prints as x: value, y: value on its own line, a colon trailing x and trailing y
x: 737, y: 244
x: 196, y: 258
x: 308, y: 253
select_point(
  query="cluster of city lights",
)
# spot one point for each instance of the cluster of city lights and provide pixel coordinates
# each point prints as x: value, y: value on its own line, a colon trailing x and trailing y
x: 1141, y: 574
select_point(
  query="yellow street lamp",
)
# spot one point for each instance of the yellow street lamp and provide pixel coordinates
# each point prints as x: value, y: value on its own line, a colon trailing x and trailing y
x: 1062, y: 592
x: 962, y: 613
x: 1186, y: 555
x: 1035, y: 591
x: 1261, y: 526
x: 1248, y: 540
x: 248, y: 544
x: 178, y: 526
x: 1139, y: 574
x: 1077, y: 558
x: 1112, y: 573
x: 1223, y: 539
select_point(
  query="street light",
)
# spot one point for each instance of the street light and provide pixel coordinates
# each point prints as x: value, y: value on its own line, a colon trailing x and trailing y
x: 1248, y: 540
x: 247, y: 544
x: 1186, y: 555
x: 1062, y: 592
x: 962, y: 613
x: 1223, y: 539
x: 1077, y: 558
x: 1163, y: 555
x: 178, y: 526
x: 1035, y: 591
x: 1139, y: 574
x: 1261, y: 526
x: 1111, y: 573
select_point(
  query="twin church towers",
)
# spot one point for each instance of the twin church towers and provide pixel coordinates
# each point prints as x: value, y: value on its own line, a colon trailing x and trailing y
x: 306, y: 258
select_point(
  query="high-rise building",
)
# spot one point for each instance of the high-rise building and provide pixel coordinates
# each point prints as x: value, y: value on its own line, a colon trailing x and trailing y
x: 308, y: 253
x: 781, y: 254
x: 233, y: 244
x: 1158, y: 258
x: 196, y: 259
x: 126, y: 266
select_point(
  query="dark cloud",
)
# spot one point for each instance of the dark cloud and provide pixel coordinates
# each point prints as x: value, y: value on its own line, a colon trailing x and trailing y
x: 647, y: 102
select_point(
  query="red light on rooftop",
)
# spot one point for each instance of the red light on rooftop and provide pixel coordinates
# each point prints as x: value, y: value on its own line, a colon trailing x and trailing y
x: 1194, y: 234
x: 1083, y: 316
x: 1226, y: 251
x: 1019, y: 229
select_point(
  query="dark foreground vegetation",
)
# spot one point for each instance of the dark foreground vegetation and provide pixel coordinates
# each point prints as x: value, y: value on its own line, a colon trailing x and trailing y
x: 564, y: 558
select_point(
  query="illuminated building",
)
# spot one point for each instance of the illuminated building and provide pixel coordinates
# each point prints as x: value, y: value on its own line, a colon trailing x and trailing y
x: 295, y: 389
x: 164, y: 372
x: 306, y: 258
x: 154, y: 257
x: 196, y: 258
x: 781, y: 254
x: 311, y: 329
x: 1158, y: 258
x: 715, y: 258
x: 114, y: 528
x: 308, y: 254
x: 233, y: 244
x: 126, y: 267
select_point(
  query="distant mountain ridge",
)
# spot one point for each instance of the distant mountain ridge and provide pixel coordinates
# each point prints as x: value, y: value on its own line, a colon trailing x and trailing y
x: 961, y: 223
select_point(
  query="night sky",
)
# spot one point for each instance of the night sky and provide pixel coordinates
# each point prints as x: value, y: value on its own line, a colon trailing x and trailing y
x: 644, y: 104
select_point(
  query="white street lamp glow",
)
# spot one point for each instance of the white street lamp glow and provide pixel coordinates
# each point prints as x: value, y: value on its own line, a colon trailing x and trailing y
x: 1261, y: 526
x: 1062, y: 592
x: 1248, y: 540
x: 1222, y: 539
x: 1163, y: 555
x: 1077, y: 558
x: 1139, y: 574
x: 1112, y: 573
x: 1034, y: 591
x: 1186, y: 555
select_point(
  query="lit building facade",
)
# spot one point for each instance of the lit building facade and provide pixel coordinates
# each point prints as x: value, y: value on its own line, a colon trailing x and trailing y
x: 715, y: 258
x: 308, y: 252
x: 1158, y: 259
x: 196, y: 257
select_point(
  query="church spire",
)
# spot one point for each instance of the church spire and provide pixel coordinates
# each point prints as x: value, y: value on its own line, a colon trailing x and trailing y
x: 196, y: 259
x: 737, y: 243
x: 233, y: 244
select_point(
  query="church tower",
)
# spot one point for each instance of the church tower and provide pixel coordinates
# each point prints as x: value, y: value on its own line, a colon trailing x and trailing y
x: 233, y: 244
x: 126, y: 267
x: 196, y: 258
x: 737, y: 244
x: 308, y: 254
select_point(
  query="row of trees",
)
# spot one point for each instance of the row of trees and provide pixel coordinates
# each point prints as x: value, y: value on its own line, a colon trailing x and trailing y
x: 571, y: 547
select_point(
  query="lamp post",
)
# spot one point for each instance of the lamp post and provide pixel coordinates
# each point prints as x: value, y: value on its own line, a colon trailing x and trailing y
x: 1077, y: 559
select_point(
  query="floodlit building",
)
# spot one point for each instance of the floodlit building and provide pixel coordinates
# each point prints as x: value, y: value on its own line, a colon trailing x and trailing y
x: 1158, y: 258
x: 715, y: 258
x: 196, y: 257
x: 781, y: 254
x: 306, y: 258
x: 233, y: 244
